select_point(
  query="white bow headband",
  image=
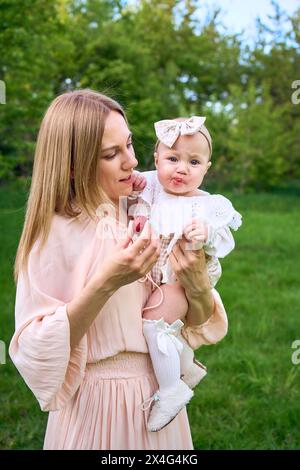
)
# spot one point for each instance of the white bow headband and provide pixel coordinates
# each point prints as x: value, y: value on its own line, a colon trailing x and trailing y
x: 168, y: 130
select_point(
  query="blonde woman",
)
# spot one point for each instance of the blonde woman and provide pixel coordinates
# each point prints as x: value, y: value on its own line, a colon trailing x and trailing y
x: 81, y: 286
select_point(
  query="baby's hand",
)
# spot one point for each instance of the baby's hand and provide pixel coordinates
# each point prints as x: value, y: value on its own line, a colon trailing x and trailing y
x: 196, y: 231
x: 139, y: 181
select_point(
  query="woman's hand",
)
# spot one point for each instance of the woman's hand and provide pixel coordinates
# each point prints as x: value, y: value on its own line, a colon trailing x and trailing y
x: 131, y: 260
x: 190, y: 268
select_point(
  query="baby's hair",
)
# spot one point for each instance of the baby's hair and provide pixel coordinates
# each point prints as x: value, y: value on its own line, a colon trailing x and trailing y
x: 204, y: 131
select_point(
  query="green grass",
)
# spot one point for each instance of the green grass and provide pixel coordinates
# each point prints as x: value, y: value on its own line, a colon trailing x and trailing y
x: 250, y: 397
x: 22, y: 424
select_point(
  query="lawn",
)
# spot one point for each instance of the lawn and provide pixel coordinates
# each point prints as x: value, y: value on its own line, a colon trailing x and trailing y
x: 250, y: 397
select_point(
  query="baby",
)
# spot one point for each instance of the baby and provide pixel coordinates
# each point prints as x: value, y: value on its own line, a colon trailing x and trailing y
x: 169, y: 197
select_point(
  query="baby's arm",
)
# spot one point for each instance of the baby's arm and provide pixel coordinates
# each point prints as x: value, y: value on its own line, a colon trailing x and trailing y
x: 202, y: 235
x: 139, y: 182
x: 222, y: 217
x: 217, y: 242
x: 136, y: 208
x: 220, y: 242
x: 197, y: 232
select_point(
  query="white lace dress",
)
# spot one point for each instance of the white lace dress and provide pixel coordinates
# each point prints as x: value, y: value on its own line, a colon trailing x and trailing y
x: 170, y: 214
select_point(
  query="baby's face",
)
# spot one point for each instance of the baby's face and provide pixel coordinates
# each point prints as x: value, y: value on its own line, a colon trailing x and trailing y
x: 181, y: 169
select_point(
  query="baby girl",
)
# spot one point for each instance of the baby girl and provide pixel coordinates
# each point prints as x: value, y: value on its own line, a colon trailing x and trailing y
x: 175, y: 206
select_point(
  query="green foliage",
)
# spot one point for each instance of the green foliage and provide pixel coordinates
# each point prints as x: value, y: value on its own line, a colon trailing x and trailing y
x: 257, y: 141
x: 33, y: 46
x: 275, y: 62
x: 160, y: 60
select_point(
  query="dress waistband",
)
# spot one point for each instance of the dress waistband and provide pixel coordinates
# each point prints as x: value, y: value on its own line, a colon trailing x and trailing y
x: 124, y: 365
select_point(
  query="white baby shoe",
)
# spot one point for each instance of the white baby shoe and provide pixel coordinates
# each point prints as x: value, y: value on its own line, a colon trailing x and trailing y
x: 167, y: 405
x: 194, y: 374
x: 192, y: 371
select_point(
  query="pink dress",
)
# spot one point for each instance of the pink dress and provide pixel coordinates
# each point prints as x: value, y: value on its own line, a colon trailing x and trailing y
x: 93, y: 392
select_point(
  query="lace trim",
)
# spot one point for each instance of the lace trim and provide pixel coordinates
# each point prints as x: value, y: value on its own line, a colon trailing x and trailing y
x: 236, y: 221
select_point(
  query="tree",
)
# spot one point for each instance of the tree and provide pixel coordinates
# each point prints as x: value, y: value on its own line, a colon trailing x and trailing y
x: 257, y: 139
x: 32, y: 49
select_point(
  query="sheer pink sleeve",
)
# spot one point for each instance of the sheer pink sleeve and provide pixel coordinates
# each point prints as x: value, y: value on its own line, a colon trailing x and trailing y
x: 40, y: 347
x: 210, y: 332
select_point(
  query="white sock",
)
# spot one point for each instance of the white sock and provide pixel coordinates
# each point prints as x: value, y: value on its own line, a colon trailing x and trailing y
x: 166, y: 367
x: 186, y: 356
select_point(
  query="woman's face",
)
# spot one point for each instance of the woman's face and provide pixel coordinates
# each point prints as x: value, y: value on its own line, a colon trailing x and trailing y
x: 117, y: 159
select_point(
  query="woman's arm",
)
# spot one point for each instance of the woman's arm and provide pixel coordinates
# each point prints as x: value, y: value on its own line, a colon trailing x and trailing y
x: 190, y: 268
x: 129, y: 262
x: 83, y: 310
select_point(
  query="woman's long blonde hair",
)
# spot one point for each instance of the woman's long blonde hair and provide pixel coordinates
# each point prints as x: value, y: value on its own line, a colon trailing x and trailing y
x: 64, y: 178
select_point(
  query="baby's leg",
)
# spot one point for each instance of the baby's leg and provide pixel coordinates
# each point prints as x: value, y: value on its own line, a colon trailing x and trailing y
x: 173, y: 307
x: 173, y: 393
x: 164, y: 346
x: 163, y: 352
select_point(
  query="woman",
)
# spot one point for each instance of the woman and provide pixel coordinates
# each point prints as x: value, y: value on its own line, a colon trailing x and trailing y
x: 81, y: 286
